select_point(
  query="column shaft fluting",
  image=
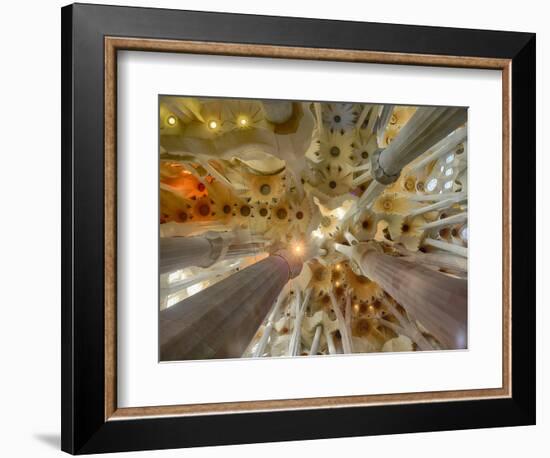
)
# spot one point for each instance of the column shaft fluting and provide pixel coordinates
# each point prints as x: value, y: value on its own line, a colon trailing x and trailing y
x: 438, y: 301
x: 181, y: 252
x: 427, y: 127
x: 220, y: 321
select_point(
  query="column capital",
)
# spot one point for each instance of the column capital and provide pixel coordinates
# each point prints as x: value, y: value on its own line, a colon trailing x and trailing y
x: 295, y: 263
x: 378, y: 171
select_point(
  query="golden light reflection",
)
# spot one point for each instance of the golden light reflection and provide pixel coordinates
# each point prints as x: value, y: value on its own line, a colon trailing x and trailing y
x: 243, y: 121
x: 298, y: 248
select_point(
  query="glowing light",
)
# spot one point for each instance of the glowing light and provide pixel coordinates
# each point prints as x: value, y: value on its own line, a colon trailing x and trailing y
x: 337, y: 284
x: 448, y: 184
x: 173, y: 277
x: 194, y: 289
x: 356, y: 308
x: 242, y: 121
x: 338, y: 267
x: 340, y: 212
x: 449, y: 172
x: 450, y: 158
x: 298, y: 248
x: 179, y: 275
x: 432, y: 184
x: 171, y: 120
x: 212, y: 124
x: 172, y: 300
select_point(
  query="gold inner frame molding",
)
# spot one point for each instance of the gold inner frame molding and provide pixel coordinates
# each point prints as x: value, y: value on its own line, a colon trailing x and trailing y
x: 114, y: 44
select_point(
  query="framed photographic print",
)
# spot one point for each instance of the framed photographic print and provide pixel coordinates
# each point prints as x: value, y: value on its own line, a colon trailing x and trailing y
x: 283, y: 228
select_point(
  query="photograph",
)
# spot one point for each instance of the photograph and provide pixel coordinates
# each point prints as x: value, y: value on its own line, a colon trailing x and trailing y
x: 292, y: 228
x: 275, y: 229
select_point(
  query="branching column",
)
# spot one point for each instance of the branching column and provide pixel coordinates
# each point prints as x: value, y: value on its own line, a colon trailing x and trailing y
x: 181, y: 252
x: 220, y: 321
x: 438, y: 301
x: 428, y: 126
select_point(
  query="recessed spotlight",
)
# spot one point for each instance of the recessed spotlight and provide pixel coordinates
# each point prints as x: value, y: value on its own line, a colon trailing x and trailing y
x: 242, y: 121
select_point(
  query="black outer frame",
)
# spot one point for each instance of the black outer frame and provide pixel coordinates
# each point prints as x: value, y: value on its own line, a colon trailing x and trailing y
x: 84, y: 429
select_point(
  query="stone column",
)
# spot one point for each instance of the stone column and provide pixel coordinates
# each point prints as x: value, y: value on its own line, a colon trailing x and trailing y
x: 428, y: 126
x: 181, y: 252
x: 438, y: 301
x: 220, y: 321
